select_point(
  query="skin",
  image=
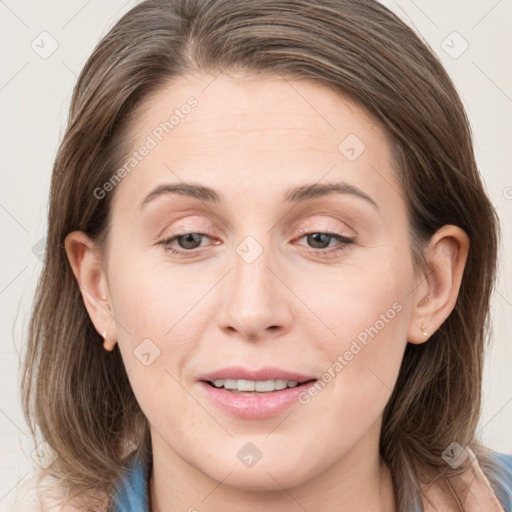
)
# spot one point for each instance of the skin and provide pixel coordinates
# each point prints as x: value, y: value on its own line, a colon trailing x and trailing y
x: 251, y: 139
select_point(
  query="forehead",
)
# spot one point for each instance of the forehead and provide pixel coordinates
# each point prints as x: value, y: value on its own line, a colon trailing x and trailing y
x: 253, y: 103
x: 246, y: 131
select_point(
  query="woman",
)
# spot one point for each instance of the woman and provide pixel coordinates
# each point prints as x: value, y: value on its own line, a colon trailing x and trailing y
x: 271, y: 215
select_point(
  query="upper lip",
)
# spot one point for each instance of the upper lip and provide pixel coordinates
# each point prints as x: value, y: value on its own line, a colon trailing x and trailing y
x: 267, y: 373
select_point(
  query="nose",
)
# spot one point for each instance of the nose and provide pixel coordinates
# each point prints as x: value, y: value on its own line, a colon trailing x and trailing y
x: 255, y: 301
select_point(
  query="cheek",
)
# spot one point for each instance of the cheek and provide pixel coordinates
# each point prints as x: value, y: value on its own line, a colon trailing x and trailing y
x: 156, y: 309
x: 367, y: 310
x: 364, y: 300
x: 156, y: 340
x: 151, y: 296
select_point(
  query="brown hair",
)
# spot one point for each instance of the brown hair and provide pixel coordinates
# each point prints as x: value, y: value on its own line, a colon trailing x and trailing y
x: 79, y: 395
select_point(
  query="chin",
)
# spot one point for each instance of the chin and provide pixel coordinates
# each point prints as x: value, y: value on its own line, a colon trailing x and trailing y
x: 264, y: 476
x: 261, y: 481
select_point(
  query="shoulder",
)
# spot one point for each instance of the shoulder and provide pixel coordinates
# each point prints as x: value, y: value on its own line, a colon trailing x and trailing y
x: 25, y: 496
x: 504, y: 475
x: 470, y: 487
x: 30, y: 495
x: 505, y: 461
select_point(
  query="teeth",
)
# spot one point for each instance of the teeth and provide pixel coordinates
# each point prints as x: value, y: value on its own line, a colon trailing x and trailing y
x: 264, y: 386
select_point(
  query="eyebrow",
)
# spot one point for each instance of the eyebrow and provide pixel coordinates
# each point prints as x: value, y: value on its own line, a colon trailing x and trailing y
x: 295, y: 195
x: 315, y: 190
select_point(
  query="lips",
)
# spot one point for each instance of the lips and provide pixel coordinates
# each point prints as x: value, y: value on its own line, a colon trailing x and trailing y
x: 245, y: 373
x: 253, y: 406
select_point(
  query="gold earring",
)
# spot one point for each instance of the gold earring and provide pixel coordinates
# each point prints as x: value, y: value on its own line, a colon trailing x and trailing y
x: 104, y: 335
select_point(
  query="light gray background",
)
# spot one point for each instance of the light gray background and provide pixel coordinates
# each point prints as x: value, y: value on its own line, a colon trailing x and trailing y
x: 34, y: 98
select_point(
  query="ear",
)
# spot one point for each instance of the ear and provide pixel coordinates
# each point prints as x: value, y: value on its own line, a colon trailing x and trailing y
x: 436, y: 295
x: 85, y: 260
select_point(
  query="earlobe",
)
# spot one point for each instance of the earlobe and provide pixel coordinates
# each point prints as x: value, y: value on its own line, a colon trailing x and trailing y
x: 108, y: 343
x: 436, y: 297
x: 86, y: 264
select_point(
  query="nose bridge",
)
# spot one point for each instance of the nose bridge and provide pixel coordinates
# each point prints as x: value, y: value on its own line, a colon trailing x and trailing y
x: 254, y: 302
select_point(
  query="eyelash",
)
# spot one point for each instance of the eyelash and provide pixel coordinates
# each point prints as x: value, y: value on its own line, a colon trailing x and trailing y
x: 344, y: 242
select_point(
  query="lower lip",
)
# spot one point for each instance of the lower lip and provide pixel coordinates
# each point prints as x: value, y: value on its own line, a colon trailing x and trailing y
x: 254, y: 406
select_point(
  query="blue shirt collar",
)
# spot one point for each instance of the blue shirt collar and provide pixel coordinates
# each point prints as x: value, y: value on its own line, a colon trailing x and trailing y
x: 132, y: 492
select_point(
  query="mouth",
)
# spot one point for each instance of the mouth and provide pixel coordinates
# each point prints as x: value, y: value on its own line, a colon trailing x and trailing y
x: 256, y: 387
x: 262, y: 394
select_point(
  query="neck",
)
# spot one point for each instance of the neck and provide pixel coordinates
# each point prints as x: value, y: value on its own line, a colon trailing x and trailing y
x: 359, y: 482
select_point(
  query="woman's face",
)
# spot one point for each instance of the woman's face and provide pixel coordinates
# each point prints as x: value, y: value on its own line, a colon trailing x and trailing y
x: 252, y: 287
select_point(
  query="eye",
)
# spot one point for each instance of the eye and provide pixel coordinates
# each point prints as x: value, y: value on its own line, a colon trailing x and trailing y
x: 187, y: 241
x: 320, y: 242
